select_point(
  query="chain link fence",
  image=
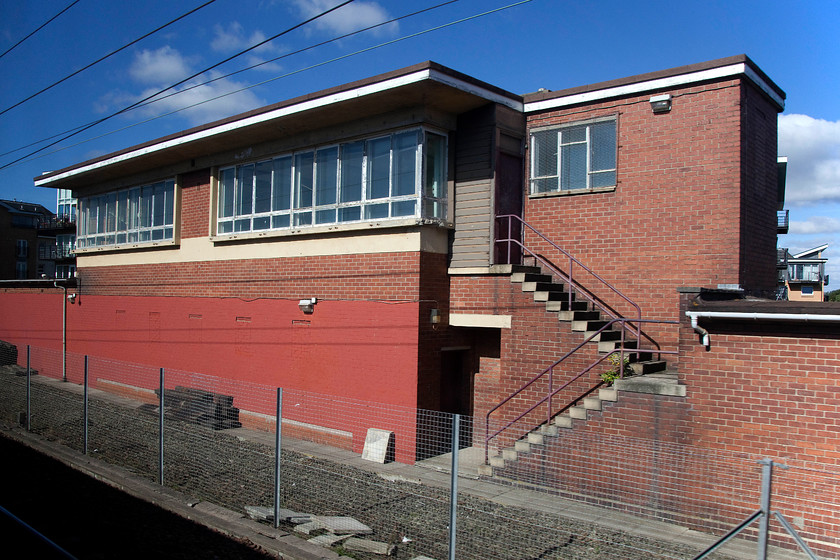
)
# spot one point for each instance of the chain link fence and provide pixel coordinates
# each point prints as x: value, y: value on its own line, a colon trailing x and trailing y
x: 596, y: 500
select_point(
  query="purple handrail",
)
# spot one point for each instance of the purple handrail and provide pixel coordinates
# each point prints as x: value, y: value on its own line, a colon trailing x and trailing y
x: 550, y: 371
x: 568, y: 277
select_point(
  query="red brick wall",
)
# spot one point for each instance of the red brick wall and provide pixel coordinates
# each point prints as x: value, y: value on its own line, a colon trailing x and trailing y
x: 195, y: 202
x: 535, y: 341
x: 675, y: 218
x: 759, y: 149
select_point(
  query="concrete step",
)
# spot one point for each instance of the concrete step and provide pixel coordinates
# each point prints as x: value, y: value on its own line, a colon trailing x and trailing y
x: 536, y: 439
x: 577, y: 412
x: 497, y: 461
x: 608, y: 394
x: 648, y: 367
x: 549, y: 430
x: 592, y: 403
x: 610, y: 345
x: 528, y: 274
x: 485, y: 470
x: 564, y: 311
x: 583, y: 326
x: 542, y: 287
x: 510, y: 454
x: 604, y: 336
x: 545, y: 295
x: 522, y: 446
x: 563, y: 421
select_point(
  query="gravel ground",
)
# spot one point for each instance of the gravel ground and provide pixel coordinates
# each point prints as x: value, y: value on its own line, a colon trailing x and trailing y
x: 229, y: 471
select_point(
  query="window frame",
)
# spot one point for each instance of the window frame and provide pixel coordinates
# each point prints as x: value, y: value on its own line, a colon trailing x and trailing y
x: 140, y: 215
x: 347, y: 193
x: 559, y: 154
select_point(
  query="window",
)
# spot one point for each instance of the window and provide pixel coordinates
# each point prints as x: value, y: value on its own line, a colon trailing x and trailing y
x: 807, y: 290
x: 574, y: 157
x: 809, y: 272
x: 394, y: 176
x: 65, y: 271
x: 21, y: 270
x: 22, y: 248
x: 142, y: 214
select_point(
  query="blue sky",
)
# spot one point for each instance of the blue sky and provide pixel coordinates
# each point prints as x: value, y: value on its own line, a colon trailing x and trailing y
x: 540, y: 43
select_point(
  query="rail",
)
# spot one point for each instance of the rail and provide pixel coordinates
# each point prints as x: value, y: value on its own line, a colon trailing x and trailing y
x: 568, y: 277
x: 552, y: 392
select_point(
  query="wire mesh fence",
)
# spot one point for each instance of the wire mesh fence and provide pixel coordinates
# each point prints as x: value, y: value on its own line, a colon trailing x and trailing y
x: 584, y: 496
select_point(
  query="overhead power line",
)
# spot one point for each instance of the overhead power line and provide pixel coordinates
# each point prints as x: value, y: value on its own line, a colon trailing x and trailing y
x: 110, y: 54
x: 194, y: 86
x: 43, y: 25
x: 175, y: 111
x: 137, y: 103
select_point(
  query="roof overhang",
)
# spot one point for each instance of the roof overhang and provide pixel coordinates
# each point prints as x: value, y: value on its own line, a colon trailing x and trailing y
x: 719, y: 69
x: 427, y: 84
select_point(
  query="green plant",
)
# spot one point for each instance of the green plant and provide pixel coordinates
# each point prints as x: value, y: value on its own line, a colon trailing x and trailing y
x: 615, y: 370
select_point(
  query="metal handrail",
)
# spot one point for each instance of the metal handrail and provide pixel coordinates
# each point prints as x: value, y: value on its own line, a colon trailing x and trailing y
x: 621, y: 350
x: 568, y: 277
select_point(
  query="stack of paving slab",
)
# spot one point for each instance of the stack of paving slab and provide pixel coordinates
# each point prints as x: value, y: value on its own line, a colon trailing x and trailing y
x: 197, y: 406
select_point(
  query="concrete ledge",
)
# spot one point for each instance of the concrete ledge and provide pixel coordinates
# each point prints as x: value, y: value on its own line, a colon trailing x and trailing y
x: 651, y: 385
x: 479, y: 320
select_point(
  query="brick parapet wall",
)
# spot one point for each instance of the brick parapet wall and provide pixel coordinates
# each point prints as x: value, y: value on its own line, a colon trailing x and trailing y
x: 195, y: 204
x: 379, y: 277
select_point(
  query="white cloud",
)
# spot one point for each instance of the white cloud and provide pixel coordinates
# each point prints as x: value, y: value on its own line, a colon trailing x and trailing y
x: 813, y: 150
x: 152, y: 70
x: 346, y: 19
x: 206, y: 107
x: 233, y: 39
x: 163, y: 66
x: 815, y: 225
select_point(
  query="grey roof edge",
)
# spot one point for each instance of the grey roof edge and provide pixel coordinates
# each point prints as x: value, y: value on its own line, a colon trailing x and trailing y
x: 660, y: 74
x: 426, y: 65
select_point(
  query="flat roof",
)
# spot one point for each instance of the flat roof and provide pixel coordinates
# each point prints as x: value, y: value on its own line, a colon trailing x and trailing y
x: 653, y: 81
x: 427, y: 83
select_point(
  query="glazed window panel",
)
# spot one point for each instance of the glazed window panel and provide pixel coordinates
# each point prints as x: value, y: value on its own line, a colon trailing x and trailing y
x: 128, y: 216
x: 574, y: 157
x: 391, y: 176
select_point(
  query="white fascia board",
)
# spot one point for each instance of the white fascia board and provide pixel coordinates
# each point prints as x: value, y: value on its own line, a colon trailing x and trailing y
x: 362, y: 91
x: 661, y: 83
x: 479, y: 91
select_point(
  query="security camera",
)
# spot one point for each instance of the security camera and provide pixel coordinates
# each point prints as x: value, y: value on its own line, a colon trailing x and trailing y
x: 71, y: 298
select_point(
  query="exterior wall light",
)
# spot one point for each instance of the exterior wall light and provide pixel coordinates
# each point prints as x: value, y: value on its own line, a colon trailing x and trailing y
x: 434, y: 318
x: 660, y: 103
x: 308, y: 305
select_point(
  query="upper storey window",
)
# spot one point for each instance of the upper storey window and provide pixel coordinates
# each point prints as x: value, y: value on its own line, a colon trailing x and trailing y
x: 401, y: 175
x: 137, y: 215
x: 573, y: 157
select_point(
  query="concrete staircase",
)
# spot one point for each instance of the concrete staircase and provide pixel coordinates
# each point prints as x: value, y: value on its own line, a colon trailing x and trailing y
x: 581, y: 315
x: 660, y: 383
x: 649, y: 375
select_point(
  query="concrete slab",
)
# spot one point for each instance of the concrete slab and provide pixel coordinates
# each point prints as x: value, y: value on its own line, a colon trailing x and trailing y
x: 372, y: 547
x: 378, y: 445
x: 342, y: 525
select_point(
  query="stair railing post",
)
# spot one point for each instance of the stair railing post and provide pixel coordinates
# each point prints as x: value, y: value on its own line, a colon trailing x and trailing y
x: 28, y: 389
x: 86, y: 406
x: 453, y: 491
x: 764, y: 522
x: 550, y: 392
x: 162, y: 402
x: 278, y: 431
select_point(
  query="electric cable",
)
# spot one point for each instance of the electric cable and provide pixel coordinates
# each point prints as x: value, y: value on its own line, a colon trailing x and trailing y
x: 110, y: 54
x: 147, y: 103
x: 175, y: 111
x: 228, y: 59
x: 7, y: 51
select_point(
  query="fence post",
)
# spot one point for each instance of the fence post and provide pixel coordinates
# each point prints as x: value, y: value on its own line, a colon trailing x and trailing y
x: 28, y: 390
x: 764, y: 522
x: 86, y: 405
x: 453, y: 492
x: 160, y: 429
x: 278, y: 429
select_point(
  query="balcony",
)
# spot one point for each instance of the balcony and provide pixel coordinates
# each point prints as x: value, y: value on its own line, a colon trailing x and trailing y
x: 805, y: 276
x: 57, y: 223
x: 782, y: 221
